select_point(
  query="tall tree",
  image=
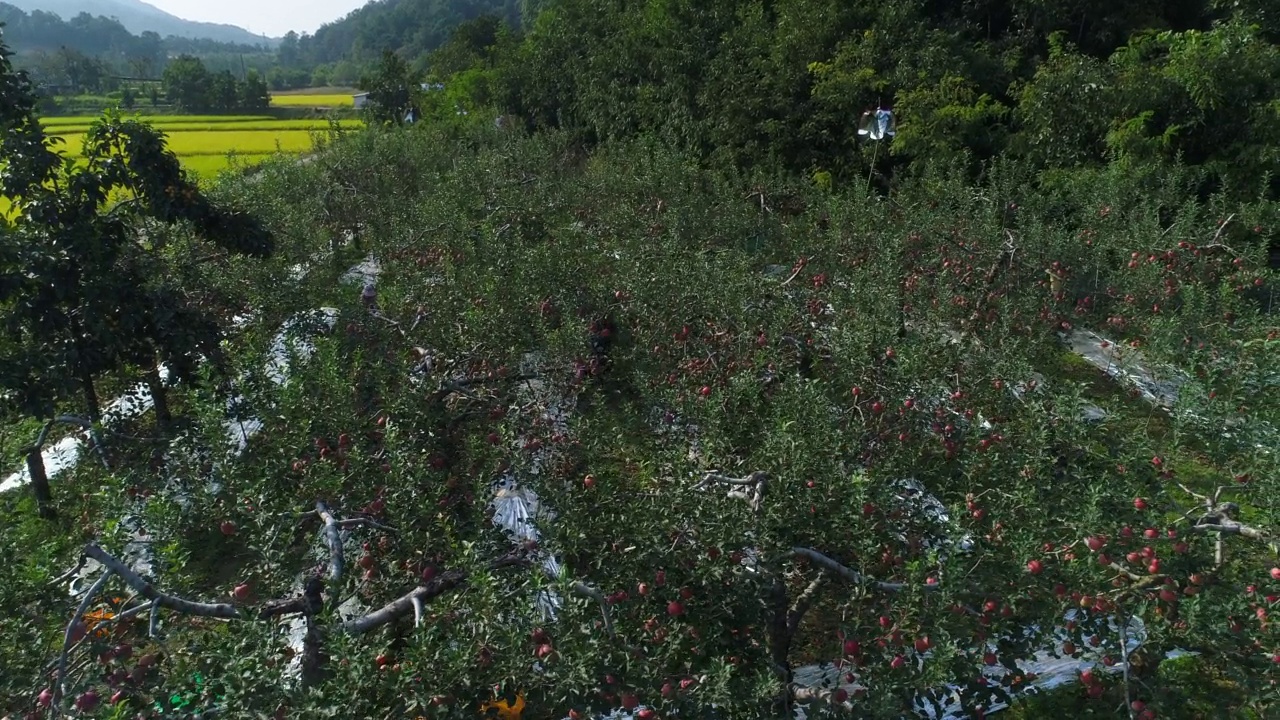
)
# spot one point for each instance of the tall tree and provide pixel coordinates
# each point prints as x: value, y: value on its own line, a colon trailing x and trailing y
x: 82, y: 293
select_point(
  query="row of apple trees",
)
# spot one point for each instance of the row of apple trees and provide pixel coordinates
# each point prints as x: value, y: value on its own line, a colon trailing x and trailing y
x: 731, y: 395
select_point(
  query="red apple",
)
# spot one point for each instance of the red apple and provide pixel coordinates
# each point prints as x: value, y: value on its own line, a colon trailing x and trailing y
x: 366, y: 561
x: 88, y: 700
x: 1068, y: 648
x: 1140, y: 503
x: 228, y: 528
x: 675, y: 608
x: 630, y: 702
x: 897, y: 662
x: 44, y: 698
x: 1095, y: 543
x: 589, y: 481
x: 990, y: 658
x: 1275, y: 573
x: 923, y: 644
x: 381, y: 661
x: 642, y: 589
x: 852, y: 647
x: 118, y: 697
x: 544, y: 651
x: 241, y: 591
x: 840, y: 695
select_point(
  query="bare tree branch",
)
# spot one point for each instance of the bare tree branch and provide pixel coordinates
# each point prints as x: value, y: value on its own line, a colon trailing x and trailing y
x: 85, y: 602
x: 333, y: 538
x: 804, y: 602
x: 848, y: 574
x: 587, y: 591
x: 64, y: 577
x: 757, y: 481
x: 446, y: 581
x: 145, y: 589
x: 365, y: 522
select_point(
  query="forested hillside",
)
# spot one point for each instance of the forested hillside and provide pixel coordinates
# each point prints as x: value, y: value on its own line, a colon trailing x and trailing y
x: 409, y: 27
x: 83, y: 51
x: 783, y: 84
x: 142, y: 17
x: 733, y: 360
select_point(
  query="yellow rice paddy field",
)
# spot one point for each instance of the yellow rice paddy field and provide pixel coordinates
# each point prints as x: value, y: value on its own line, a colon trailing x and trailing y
x: 208, y: 144
x: 330, y: 97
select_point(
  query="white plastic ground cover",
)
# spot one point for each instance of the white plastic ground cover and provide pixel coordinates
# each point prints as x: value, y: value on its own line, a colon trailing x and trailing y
x: 1160, y: 386
x: 66, y: 452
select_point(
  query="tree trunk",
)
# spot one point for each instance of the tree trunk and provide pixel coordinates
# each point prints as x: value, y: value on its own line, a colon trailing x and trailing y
x: 90, y: 396
x: 164, y: 419
x: 779, y: 638
x: 40, y: 483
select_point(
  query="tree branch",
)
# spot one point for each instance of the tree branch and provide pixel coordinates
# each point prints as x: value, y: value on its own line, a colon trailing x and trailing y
x: 757, y: 481
x: 443, y: 583
x: 85, y: 602
x: 333, y: 538
x: 587, y: 591
x: 848, y: 574
x: 145, y: 589
x: 804, y: 602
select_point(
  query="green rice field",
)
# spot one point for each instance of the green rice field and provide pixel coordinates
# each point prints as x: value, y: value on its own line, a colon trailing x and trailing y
x: 208, y: 144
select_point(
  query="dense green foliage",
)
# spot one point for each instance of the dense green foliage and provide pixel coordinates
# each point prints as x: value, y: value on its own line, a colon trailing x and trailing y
x: 716, y: 332
x: 189, y: 85
x: 746, y: 83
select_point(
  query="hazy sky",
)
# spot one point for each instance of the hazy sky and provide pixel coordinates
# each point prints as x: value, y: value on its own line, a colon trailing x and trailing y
x: 270, y: 17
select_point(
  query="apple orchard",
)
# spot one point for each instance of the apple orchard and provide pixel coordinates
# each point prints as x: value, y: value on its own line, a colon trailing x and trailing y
x: 756, y: 425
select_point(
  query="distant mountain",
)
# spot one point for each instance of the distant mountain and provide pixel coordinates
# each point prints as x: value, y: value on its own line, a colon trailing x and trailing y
x: 139, y: 17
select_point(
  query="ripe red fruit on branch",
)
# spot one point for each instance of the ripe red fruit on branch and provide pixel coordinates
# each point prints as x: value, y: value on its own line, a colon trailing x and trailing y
x: 852, y: 647
x: 228, y: 528
x: 923, y: 644
x: 241, y: 591
x: 589, y: 481
x: 88, y: 700
x: 381, y: 661
x: 674, y: 608
x: 1096, y: 543
x: 1275, y: 573
x: 366, y: 561
x: 1140, y: 503
x: 1035, y: 567
x: 44, y: 698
